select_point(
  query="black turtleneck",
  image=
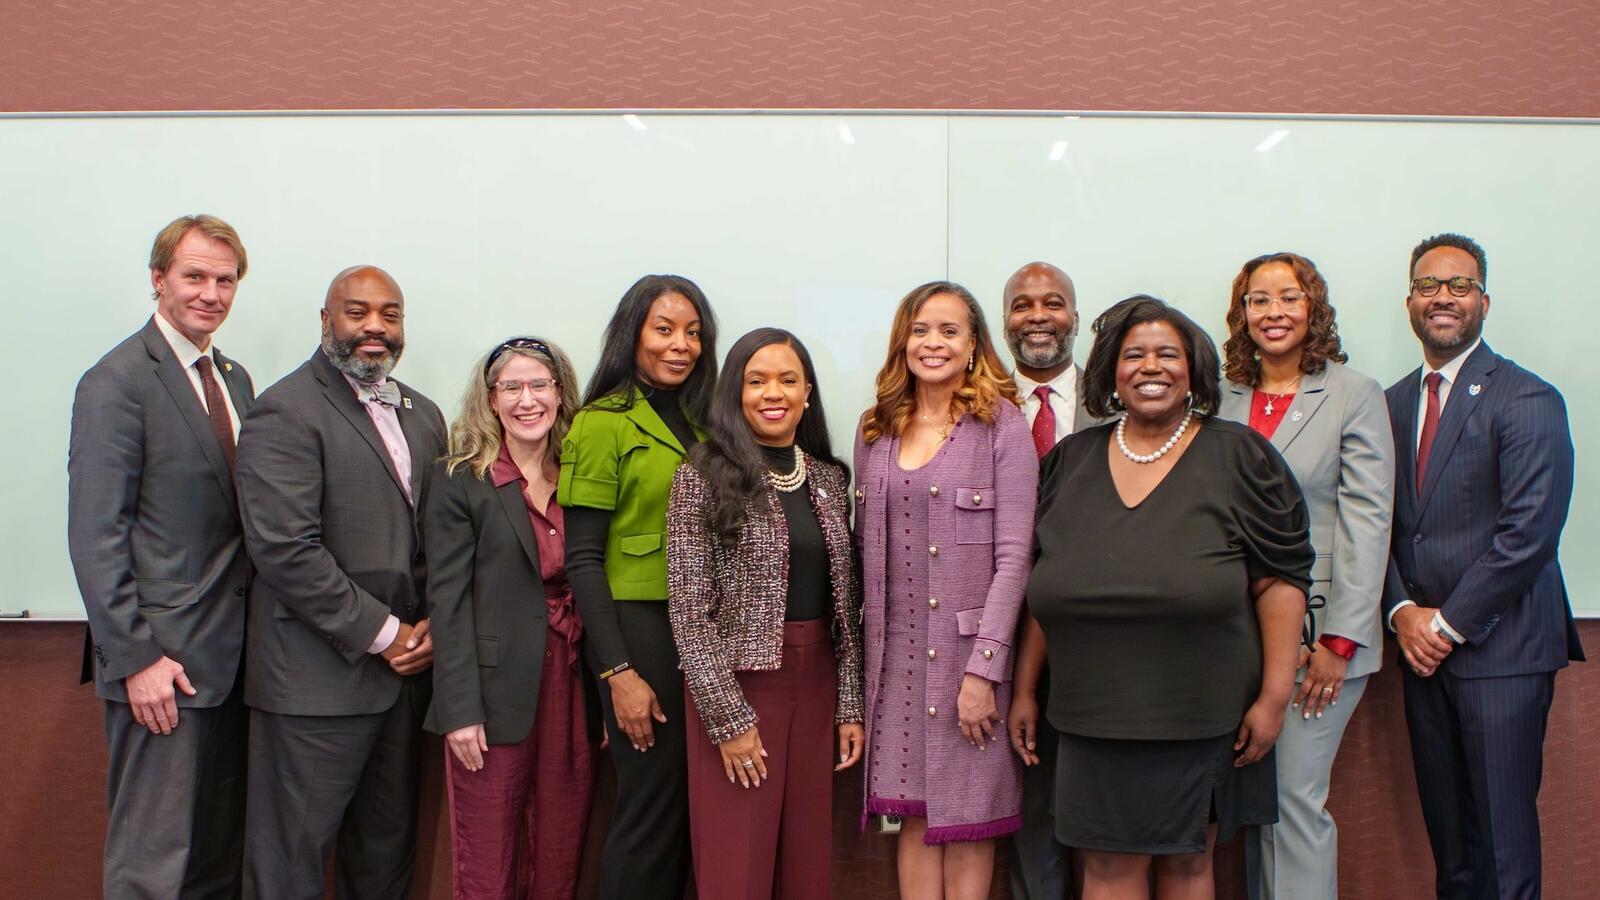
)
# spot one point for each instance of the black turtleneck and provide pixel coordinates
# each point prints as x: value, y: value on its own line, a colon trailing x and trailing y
x: 667, y: 404
x: 810, y: 579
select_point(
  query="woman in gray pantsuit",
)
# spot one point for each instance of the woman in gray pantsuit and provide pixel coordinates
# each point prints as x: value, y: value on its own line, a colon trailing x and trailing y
x: 1286, y: 379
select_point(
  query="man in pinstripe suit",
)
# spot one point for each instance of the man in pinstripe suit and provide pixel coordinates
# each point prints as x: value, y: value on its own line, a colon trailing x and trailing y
x: 1474, y: 593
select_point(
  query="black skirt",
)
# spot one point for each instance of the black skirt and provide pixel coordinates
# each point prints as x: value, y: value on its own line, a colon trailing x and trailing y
x: 1157, y: 797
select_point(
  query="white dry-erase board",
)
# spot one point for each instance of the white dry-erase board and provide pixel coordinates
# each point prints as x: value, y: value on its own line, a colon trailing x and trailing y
x: 506, y: 224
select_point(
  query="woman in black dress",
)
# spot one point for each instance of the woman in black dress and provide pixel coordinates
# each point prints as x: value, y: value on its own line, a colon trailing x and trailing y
x: 1173, y: 559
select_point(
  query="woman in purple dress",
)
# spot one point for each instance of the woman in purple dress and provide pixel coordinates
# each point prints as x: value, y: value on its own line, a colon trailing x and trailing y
x: 946, y: 476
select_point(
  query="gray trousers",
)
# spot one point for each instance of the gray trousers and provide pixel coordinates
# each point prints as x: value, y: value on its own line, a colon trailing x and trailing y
x: 341, y: 784
x: 1040, y: 865
x: 176, y: 804
x: 1299, y: 857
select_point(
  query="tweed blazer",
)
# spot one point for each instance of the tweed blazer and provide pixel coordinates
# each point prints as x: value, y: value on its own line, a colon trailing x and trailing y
x: 1336, y: 439
x: 980, y: 526
x: 727, y: 604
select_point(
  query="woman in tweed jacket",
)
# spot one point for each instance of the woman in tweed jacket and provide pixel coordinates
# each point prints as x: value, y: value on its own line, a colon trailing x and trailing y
x: 946, y: 475
x: 762, y: 594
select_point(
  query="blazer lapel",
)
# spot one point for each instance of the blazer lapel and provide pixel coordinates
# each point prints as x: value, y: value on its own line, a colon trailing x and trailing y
x: 411, y: 427
x: 1235, y: 402
x: 181, y: 389
x: 516, y: 510
x: 642, y: 415
x: 238, y: 389
x: 1466, y: 394
x: 343, y: 398
x: 1313, y: 390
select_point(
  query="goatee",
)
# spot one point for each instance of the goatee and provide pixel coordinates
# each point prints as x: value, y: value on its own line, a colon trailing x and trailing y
x: 343, y: 355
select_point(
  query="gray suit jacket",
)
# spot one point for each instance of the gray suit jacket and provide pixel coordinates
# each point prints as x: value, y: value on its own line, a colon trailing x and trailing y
x: 1337, y: 441
x: 153, y: 523
x: 334, y: 542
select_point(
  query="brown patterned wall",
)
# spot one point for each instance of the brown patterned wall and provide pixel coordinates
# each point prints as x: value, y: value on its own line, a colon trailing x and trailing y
x: 52, y: 791
x: 1471, y: 57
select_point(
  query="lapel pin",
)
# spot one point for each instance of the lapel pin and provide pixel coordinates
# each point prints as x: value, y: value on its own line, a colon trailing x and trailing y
x: 227, y: 367
x: 822, y: 494
x: 406, y: 402
x: 1474, y: 390
x: 1295, y: 416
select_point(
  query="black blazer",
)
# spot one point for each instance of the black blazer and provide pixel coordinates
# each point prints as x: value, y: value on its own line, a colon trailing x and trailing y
x: 333, y: 540
x: 1479, y: 540
x: 488, y: 606
x: 153, y: 522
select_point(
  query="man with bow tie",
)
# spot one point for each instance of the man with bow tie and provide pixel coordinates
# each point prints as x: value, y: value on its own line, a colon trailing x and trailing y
x: 1474, y: 593
x: 330, y: 467
x: 153, y: 528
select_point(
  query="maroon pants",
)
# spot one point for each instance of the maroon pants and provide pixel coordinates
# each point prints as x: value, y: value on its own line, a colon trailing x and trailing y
x: 774, y: 840
x: 517, y: 825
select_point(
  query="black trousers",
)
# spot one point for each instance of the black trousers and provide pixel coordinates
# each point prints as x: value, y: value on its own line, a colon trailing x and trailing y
x: 176, y: 803
x: 345, y: 784
x: 1477, y: 745
x: 647, y: 850
x: 1040, y: 865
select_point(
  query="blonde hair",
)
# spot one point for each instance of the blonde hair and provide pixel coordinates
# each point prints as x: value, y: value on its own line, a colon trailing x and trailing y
x: 212, y: 227
x: 476, y: 434
x: 984, y: 387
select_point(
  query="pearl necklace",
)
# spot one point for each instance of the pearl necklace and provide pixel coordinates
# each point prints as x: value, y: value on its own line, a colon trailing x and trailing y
x: 791, y: 482
x: 1142, y: 458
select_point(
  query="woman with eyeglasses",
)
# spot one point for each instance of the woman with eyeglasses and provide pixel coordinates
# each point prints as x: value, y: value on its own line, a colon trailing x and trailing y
x: 507, y: 695
x: 1287, y: 380
x: 765, y: 609
x: 644, y: 408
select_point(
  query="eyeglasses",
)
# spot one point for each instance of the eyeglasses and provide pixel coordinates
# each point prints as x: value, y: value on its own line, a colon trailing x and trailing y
x: 518, y: 343
x: 1259, y: 301
x: 512, y: 388
x: 1460, y: 285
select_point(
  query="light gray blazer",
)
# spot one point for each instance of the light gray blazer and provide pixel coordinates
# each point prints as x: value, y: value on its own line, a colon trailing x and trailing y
x: 153, y: 522
x: 1337, y: 441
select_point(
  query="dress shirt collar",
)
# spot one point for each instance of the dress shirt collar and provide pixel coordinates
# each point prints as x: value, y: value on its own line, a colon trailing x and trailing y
x: 1064, y: 384
x: 1452, y: 368
x: 364, y: 389
x: 182, y: 348
x: 504, y: 469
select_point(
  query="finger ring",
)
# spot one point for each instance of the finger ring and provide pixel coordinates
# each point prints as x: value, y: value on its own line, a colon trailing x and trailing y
x: 748, y: 764
x: 1327, y: 690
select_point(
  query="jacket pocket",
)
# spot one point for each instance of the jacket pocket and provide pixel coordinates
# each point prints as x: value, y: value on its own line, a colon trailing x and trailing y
x: 974, y: 515
x: 166, y: 594
x: 969, y: 622
x: 640, y: 544
x: 488, y: 651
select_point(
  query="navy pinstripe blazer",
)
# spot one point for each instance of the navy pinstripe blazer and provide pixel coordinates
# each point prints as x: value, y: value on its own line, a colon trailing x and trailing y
x: 1479, y: 540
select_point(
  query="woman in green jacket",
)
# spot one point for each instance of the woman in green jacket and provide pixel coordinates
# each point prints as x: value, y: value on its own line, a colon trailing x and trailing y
x: 642, y: 411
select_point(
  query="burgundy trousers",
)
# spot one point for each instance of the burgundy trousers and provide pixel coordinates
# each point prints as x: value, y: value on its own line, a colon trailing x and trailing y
x: 774, y: 840
x: 517, y: 825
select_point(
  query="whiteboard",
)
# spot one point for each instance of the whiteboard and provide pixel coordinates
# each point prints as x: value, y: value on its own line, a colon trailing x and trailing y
x: 509, y: 224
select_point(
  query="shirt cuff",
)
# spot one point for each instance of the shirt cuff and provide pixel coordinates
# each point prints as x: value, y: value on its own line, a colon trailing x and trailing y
x: 1389, y: 619
x: 1339, y: 646
x: 1443, y: 627
x: 386, y: 635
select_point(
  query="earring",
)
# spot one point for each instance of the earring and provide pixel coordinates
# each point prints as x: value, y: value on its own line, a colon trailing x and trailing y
x: 1188, y: 400
x: 1115, y: 400
x: 972, y: 362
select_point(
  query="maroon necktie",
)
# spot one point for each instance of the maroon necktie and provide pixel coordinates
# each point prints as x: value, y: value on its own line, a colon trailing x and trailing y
x: 217, y: 409
x: 1430, y: 424
x: 1044, y: 424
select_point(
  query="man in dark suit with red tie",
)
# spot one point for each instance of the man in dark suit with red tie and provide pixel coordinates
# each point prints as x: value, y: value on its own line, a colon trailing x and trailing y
x: 1474, y: 592
x: 153, y: 528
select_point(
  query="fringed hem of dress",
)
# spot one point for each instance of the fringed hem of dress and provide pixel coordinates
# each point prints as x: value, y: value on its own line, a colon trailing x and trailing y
x: 983, y: 831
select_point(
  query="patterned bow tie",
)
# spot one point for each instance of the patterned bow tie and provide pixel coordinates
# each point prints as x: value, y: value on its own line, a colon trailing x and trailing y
x: 387, y: 393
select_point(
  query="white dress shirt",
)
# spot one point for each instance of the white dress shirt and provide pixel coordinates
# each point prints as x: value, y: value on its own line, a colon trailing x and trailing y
x: 1448, y: 372
x: 188, y: 354
x: 1063, y: 399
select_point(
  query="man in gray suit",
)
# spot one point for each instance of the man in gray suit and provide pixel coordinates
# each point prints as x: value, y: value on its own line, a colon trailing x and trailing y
x: 330, y: 475
x: 1041, y: 324
x: 153, y: 528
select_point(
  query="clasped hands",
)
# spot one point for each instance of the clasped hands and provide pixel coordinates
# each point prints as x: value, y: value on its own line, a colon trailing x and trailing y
x: 412, y: 649
x: 1423, y: 647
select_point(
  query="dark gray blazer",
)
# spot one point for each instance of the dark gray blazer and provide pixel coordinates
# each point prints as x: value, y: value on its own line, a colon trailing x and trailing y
x: 333, y: 539
x: 488, y: 606
x: 153, y: 523
x: 1336, y: 439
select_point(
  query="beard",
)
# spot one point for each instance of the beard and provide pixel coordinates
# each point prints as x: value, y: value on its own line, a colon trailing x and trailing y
x: 1442, y: 341
x: 342, y: 353
x: 1047, y: 357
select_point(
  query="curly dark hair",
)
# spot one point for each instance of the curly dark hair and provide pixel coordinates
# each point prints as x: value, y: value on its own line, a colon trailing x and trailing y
x: 1113, y: 325
x: 1448, y: 239
x: 1240, y: 363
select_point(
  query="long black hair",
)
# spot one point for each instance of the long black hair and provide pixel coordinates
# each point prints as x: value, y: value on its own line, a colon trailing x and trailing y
x: 617, y: 373
x: 730, y: 458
